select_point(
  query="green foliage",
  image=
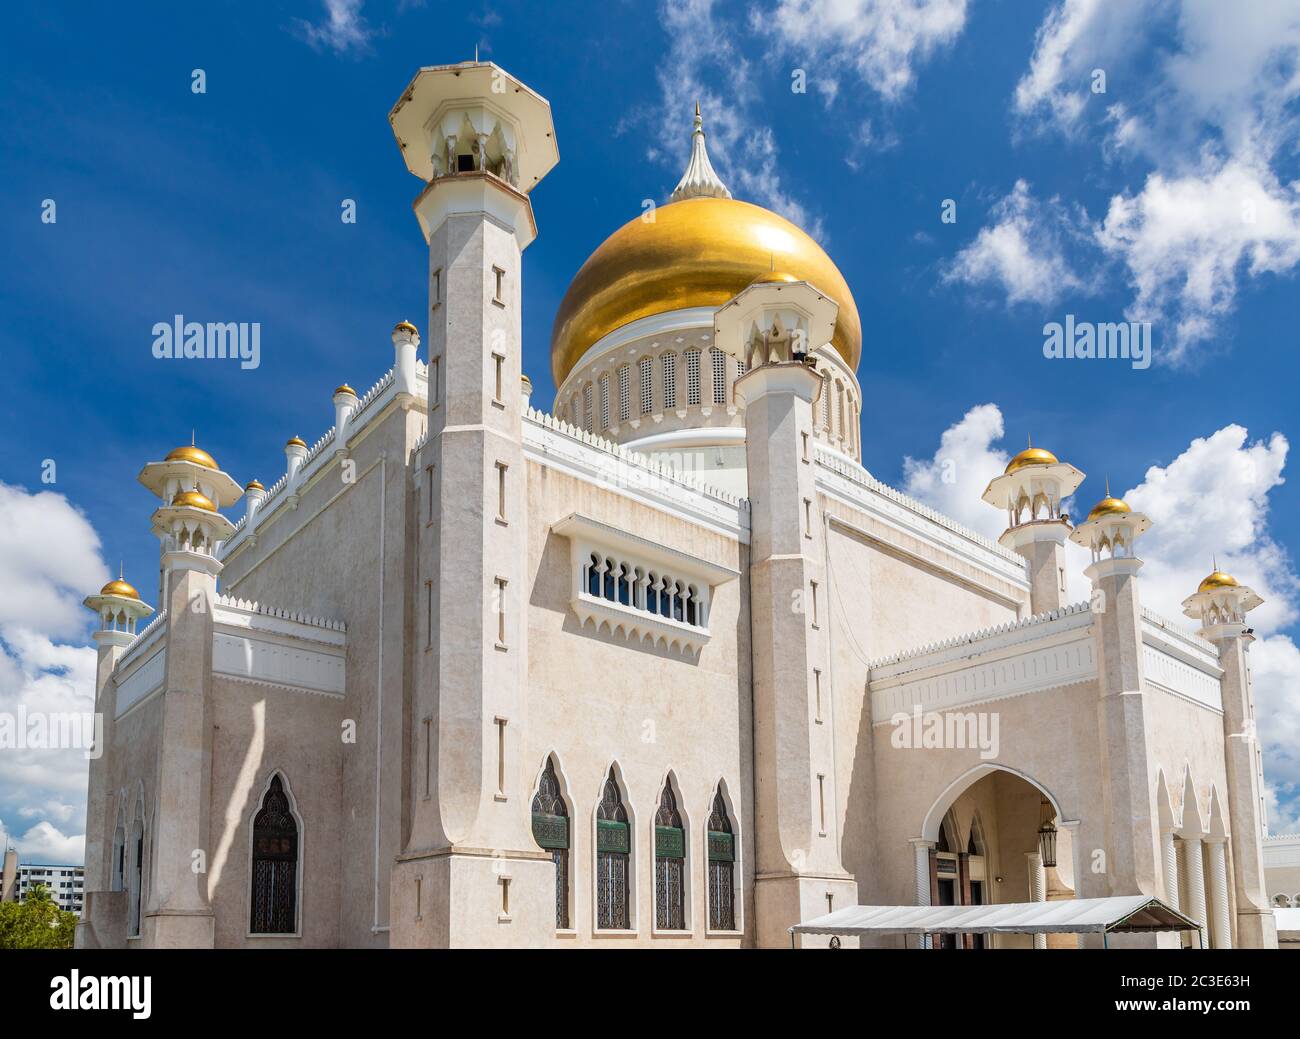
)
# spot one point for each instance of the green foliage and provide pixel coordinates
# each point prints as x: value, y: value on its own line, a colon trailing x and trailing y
x: 36, y: 923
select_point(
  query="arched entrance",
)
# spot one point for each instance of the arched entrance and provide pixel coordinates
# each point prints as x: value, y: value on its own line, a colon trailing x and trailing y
x: 995, y: 836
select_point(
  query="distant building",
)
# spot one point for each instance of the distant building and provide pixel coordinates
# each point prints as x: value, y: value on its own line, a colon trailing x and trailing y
x: 65, y: 883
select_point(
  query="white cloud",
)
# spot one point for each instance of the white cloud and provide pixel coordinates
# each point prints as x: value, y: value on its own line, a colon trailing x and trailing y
x: 879, y: 41
x: 1021, y: 252
x: 45, y: 843
x: 1076, y: 37
x: 49, y: 560
x: 955, y: 477
x: 1210, y: 503
x: 344, y: 30
x: 1208, y: 100
x: 1185, y: 240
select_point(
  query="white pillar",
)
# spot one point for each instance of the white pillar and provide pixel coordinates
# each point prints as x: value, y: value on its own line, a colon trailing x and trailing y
x: 921, y: 850
x: 1219, y: 893
x: 1169, y: 853
x: 1037, y: 889
x: 1195, y: 867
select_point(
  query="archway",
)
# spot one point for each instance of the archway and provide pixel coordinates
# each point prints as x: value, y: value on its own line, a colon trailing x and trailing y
x: 995, y: 835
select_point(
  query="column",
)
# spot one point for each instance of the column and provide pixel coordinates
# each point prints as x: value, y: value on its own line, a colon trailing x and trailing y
x: 1169, y: 855
x: 921, y: 850
x: 1037, y: 889
x: 1195, y: 866
x: 1220, y: 911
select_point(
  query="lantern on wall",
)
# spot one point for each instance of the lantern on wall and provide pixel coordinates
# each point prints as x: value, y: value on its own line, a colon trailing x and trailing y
x: 1047, y: 835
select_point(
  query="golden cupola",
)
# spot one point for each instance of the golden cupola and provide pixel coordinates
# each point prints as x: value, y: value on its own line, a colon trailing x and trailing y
x: 698, y: 251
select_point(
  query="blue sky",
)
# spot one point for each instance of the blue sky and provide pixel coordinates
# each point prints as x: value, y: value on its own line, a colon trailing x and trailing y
x: 1170, y: 197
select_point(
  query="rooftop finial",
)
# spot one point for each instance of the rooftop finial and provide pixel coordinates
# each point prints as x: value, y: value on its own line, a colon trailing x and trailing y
x: 699, y: 180
x: 1107, y: 485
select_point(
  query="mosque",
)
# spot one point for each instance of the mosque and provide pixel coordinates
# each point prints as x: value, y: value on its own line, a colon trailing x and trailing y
x: 634, y: 672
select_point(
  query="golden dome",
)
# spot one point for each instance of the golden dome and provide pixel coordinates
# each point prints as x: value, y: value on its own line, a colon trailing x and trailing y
x: 698, y: 252
x: 1031, y: 456
x: 295, y: 442
x: 190, y: 453
x: 1108, y: 506
x: 406, y: 326
x: 254, y: 485
x: 1217, y: 580
x: 774, y: 278
x: 345, y: 388
x: 194, y: 500
x: 119, y: 587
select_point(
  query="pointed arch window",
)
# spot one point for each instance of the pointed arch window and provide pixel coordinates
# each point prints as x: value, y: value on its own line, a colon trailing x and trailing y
x: 613, y: 852
x: 135, y: 891
x: 551, y: 831
x: 274, y: 898
x: 670, y: 864
x: 722, y: 867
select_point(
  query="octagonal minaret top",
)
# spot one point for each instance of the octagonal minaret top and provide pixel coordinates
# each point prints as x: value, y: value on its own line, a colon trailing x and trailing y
x: 474, y: 117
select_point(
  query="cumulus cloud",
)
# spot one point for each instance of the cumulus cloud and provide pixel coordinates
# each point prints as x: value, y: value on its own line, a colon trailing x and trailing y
x: 880, y: 42
x: 954, y: 478
x: 1211, y: 503
x: 49, y: 560
x: 1185, y: 241
x: 1021, y: 252
x: 1209, y: 92
x: 344, y: 31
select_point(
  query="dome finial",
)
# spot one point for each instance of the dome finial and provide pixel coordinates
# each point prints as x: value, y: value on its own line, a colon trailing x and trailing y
x: 700, y: 180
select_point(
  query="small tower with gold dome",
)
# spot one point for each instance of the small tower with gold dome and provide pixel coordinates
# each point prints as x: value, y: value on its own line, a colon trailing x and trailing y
x: 1220, y: 604
x: 1110, y: 532
x: 192, y: 487
x: 119, y: 609
x: 1030, y: 491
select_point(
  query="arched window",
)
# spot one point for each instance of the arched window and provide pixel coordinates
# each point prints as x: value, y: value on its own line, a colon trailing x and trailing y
x: 670, y: 864
x: 644, y: 371
x: 593, y: 577
x: 609, y: 579
x: 118, y: 862
x: 652, y: 593
x: 692, y: 378
x: 669, y: 364
x: 275, y: 865
x: 722, y: 866
x: 551, y: 831
x: 135, y: 875
x: 613, y: 848
x: 717, y: 359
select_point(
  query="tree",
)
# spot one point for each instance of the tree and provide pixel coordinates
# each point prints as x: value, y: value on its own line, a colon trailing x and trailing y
x: 36, y: 922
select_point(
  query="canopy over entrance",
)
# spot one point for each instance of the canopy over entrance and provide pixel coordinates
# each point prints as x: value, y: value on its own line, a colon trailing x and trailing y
x: 1118, y: 914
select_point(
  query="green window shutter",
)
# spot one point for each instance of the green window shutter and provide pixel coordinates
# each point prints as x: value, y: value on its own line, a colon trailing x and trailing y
x: 612, y: 836
x: 722, y: 847
x: 670, y: 842
x: 550, y: 831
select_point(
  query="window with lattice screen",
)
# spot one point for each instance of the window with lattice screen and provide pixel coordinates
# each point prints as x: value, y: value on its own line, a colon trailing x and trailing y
x: 670, y: 381
x: 604, y: 403
x: 692, y: 377
x: 624, y: 393
x: 647, y: 386
x: 719, y: 359
x: 586, y: 406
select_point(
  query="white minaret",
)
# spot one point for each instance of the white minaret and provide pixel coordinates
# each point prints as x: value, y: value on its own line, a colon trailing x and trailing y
x: 119, y: 609
x: 1030, y: 491
x: 1220, y: 605
x: 1127, y: 826
x: 481, y: 141
x: 192, y: 488
x: 775, y: 325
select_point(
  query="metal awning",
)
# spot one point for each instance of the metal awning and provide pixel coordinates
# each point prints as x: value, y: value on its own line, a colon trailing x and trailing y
x: 1117, y: 914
